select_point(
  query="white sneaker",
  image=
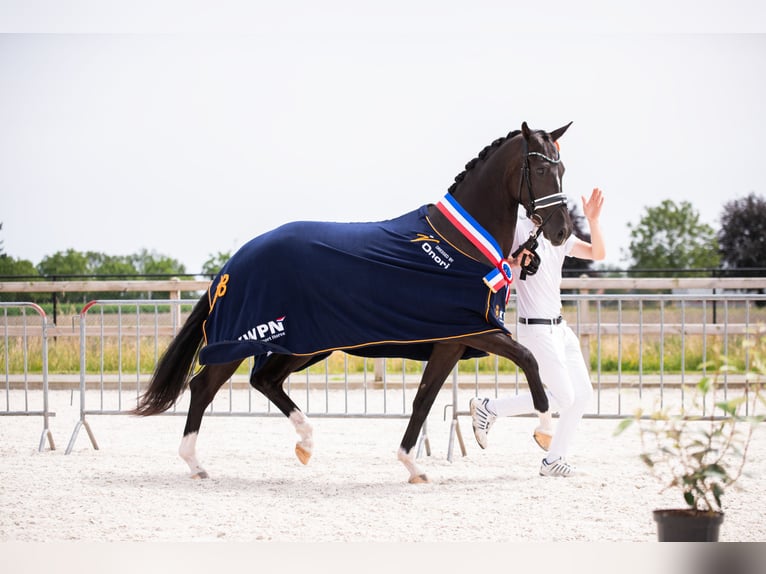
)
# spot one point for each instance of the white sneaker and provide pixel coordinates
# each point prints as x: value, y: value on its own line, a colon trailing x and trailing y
x: 558, y: 467
x: 482, y: 420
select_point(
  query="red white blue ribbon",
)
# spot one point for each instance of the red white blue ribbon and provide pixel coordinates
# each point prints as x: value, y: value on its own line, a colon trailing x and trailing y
x: 501, y: 276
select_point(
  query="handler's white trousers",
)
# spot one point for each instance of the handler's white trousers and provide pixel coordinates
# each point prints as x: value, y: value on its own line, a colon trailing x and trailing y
x: 565, y: 376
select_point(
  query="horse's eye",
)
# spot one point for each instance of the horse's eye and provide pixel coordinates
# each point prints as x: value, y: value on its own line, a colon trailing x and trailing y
x: 540, y: 170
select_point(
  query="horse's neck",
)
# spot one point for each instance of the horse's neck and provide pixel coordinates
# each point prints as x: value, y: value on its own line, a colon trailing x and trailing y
x: 503, y: 234
x: 483, y: 193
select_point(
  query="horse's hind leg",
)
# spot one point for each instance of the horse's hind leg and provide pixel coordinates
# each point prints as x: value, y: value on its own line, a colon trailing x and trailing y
x: 443, y: 358
x: 268, y: 380
x: 203, y: 387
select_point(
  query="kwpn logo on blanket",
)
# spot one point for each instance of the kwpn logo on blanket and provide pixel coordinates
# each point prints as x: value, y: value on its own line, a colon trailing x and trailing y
x: 431, y: 247
x: 266, y: 332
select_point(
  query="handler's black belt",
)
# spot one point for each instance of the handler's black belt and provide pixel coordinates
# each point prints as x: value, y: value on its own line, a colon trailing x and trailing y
x: 555, y: 321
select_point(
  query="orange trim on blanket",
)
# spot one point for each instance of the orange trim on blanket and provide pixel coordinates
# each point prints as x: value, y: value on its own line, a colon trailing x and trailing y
x: 204, y: 323
x: 393, y: 342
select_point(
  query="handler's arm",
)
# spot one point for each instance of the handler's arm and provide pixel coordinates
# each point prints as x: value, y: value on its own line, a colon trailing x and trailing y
x: 595, y: 250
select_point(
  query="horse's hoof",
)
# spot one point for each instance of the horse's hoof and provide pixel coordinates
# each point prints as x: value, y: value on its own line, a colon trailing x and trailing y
x: 302, y: 454
x: 199, y: 475
x: 419, y: 479
x: 543, y: 440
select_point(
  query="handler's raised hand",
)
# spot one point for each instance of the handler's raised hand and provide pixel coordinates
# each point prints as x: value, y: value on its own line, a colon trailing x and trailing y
x: 591, y: 207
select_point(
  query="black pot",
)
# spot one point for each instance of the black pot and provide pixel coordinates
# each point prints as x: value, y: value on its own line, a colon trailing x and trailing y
x: 687, y: 525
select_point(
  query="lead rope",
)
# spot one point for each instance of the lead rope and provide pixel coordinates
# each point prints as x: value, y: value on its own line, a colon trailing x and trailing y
x: 531, y: 263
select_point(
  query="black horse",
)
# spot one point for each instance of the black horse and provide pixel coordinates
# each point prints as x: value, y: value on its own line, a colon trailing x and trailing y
x: 430, y: 285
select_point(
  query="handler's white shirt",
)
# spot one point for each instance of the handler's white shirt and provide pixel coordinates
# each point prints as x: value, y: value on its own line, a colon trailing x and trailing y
x: 539, y: 295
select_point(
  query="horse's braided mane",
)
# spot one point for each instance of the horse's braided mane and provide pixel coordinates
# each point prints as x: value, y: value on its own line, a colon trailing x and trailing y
x: 483, y: 154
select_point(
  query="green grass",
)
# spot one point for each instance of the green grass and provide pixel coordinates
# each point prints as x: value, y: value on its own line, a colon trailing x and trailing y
x: 129, y: 355
x: 628, y: 353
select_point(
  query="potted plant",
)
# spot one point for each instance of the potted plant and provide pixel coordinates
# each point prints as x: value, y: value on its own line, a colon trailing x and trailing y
x: 701, y: 449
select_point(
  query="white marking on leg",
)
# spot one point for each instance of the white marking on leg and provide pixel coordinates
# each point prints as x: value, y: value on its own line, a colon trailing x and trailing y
x: 408, y: 460
x: 546, y: 423
x: 187, y: 451
x: 303, y: 447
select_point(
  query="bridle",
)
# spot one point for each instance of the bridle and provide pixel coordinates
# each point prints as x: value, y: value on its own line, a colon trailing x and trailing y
x: 541, y: 203
x: 531, y: 265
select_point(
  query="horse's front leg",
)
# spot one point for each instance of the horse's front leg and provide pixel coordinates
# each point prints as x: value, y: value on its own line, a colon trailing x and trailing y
x: 503, y: 345
x: 443, y: 358
x: 203, y: 387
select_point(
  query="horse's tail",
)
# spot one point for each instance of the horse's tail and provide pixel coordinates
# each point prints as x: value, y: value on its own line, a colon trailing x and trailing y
x: 175, y: 365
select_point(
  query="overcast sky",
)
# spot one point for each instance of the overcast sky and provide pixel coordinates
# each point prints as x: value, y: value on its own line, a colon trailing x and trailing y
x: 188, y: 135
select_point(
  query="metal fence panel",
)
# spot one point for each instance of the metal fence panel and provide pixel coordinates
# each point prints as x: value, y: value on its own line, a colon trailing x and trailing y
x: 24, y: 357
x: 121, y: 341
x: 639, y: 346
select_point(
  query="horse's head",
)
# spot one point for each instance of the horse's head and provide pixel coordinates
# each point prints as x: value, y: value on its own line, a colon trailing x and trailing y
x: 522, y: 168
x: 541, y: 193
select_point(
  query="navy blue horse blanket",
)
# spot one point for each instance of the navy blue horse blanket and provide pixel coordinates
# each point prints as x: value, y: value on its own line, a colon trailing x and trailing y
x: 382, y: 289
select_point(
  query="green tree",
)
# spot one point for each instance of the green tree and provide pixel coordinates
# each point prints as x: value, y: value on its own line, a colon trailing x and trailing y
x: 742, y: 237
x: 11, y: 268
x: 671, y: 236
x: 214, y: 263
x: 64, y: 264
x: 112, y: 265
x: 152, y: 263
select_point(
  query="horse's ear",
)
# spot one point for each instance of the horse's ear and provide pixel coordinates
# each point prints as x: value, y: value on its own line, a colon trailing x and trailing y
x: 525, y: 130
x: 556, y: 134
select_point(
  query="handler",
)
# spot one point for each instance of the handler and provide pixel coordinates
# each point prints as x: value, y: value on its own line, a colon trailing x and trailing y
x: 546, y: 334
